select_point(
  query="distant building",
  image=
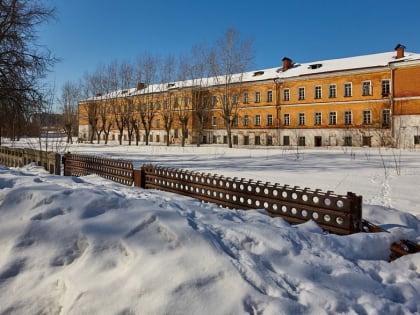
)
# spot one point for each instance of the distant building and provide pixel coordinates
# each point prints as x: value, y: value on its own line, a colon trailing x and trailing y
x: 368, y: 100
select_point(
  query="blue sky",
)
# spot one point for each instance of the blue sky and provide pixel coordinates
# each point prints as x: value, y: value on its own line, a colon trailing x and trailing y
x: 89, y: 32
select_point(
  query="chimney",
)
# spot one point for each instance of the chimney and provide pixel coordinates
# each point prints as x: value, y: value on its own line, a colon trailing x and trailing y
x: 287, y: 64
x: 400, y: 51
x: 141, y: 86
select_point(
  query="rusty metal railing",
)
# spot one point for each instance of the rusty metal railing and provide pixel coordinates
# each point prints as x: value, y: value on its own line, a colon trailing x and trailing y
x: 116, y: 170
x: 341, y: 214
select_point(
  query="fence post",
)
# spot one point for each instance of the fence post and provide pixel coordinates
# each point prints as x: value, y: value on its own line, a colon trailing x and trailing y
x: 139, y: 178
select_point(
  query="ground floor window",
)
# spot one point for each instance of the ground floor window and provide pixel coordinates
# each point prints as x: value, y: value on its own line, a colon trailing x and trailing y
x: 157, y: 138
x: 235, y: 139
x: 269, y: 140
x: 257, y: 140
x: 225, y: 140
x: 286, y: 140
x: 301, y: 141
x: 348, y: 141
x: 214, y: 139
x: 366, y: 141
x: 246, y: 140
x: 204, y: 139
x: 416, y: 139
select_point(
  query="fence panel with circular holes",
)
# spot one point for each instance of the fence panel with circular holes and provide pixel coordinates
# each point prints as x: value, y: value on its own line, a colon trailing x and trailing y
x: 341, y: 214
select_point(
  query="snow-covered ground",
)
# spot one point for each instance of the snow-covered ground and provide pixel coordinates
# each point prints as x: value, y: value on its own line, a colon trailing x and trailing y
x: 89, y: 246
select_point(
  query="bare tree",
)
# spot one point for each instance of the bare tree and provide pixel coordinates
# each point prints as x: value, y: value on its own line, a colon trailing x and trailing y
x: 200, y: 96
x: 229, y: 60
x: 167, y: 76
x: 70, y: 95
x: 147, y: 71
x: 22, y: 62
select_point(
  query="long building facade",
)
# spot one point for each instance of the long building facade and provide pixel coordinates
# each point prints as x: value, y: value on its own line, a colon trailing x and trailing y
x: 370, y: 100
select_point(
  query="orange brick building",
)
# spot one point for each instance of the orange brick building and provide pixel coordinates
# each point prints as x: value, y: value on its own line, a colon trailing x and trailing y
x: 368, y: 100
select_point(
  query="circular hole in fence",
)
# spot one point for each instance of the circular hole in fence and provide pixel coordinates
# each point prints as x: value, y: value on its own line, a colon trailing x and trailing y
x: 234, y: 198
x: 227, y: 184
x: 340, y: 203
x: 249, y: 201
x: 249, y: 188
x: 214, y: 182
x: 284, y: 194
x: 327, y: 201
x: 177, y: 185
x: 208, y: 181
x: 172, y: 185
x: 339, y: 220
x: 203, y: 191
x: 266, y: 204
x: 182, y: 176
x: 257, y: 203
x: 315, y: 199
x: 315, y: 215
x: 294, y: 211
x: 221, y: 183
x: 220, y: 195
x: 327, y: 218
x: 234, y: 185
x: 187, y: 177
x: 241, y: 187
x: 197, y: 190
x: 304, y: 213
x: 242, y: 199
x: 214, y: 194
x: 294, y: 195
x: 182, y: 186
x: 203, y: 180
x: 266, y: 191
x: 305, y: 197
x: 275, y: 193
x: 227, y: 196
x: 284, y: 209
x: 274, y: 207
x: 208, y: 192
x: 176, y: 175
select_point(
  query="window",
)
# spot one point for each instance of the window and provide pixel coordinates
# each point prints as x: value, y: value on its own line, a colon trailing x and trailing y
x: 225, y: 141
x: 416, y: 139
x: 269, y: 120
x: 301, y: 141
x: 366, y: 88
x: 286, y: 119
x: 235, y: 139
x: 347, y: 89
x: 176, y: 133
x: 246, y: 98
x: 318, y: 119
x: 157, y: 123
x: 269, y: 96
x: 186, y: 101
x: 301, y: 93
x: 165, y: 104
x: 332, y: 91
x: 157, y: 138
x: 286, y: 140
x: 158, y: 105
x: 301, y: 119
x: 367, y: 117
x: 246, y: 140
x: 269, y: 140
x: 332, y: 118
x: 286, y: 95
x: 214, y: 121
x: 176, y: 102
x: 347, y: 117
x: 257, y: 97
x: 348, y: 141
x: 366, y: 141
x: 246, y: 120
x: 235, y: 99
x: 214, y: 139
x: 385, y: 87
x: 225, y: 100
x: 257, y: 120
x: 257, y: 140
x: 386, y: 115
x: 318, y: 92
x: 214, y: 100
x: 235, y: 122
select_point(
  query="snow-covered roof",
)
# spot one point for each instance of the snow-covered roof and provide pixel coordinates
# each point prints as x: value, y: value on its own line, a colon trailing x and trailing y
x: 297, y: 70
